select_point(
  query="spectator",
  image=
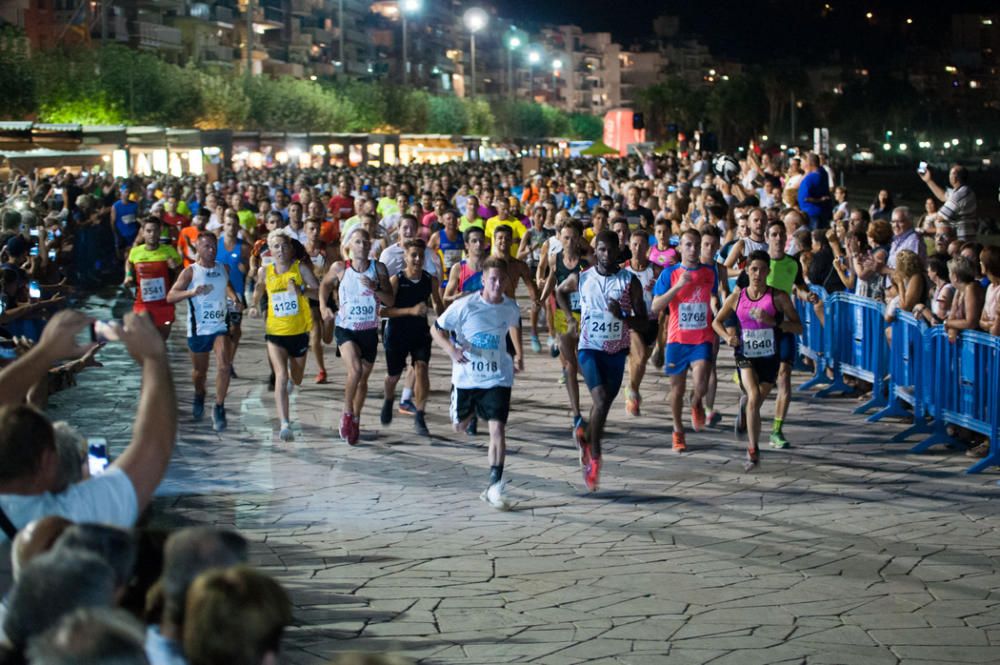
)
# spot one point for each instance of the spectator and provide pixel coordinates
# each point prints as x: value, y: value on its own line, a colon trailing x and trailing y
x: 115, y: 546
x: 959, y: 201
x: 859, y: 219
x: 841, y: 209
x: 813, y: 196
x: 967, y: 306
x: 92, y: 636
x: 989, y: 260
x: 52, y: 585
x: 235, y: 616
x: 820, y: 270
x: 944, y: 235
x: 908, y: 283
x: 28, y: 476
x: 883, y: 206
x: 904, y: 237
x: 944, y: 292
x: 870, y: 266
x: 187, y: 553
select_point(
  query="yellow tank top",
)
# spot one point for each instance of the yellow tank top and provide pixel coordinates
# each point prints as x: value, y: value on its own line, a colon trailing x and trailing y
x: 287, y: 313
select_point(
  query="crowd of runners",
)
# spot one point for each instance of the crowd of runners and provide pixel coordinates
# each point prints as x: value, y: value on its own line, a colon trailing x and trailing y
x: 609, y: 265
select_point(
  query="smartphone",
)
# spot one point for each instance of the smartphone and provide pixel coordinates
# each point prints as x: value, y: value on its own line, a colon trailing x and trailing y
x: 33, y: 251
x: 34, y: 290
x: 922, y: 168
x: 33, y: 233
x: 8, y: 350
x: 52, y: 255
x: 97, y: 455
x: 104, y: 331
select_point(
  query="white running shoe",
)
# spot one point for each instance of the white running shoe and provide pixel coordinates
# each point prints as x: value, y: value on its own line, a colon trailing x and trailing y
x: 285, y: 434
x: 495, y: 495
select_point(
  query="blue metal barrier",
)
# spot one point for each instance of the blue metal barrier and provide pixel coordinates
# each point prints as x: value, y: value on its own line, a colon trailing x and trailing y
x: 962, y: 389
x: 857, y: 346
x: 811, y: 341
x: 907, y: 375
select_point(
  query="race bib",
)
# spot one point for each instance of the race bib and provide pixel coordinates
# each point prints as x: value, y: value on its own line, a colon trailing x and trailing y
x: 153, y: 289
x: 128, y: 220
x: 211, y: 316
x: 693, y: 315
x: 574, y: 301
x: 356, y: 315
x: 604, y: 329
x: 758, y: 343
x: 484, y: 364
x: 284, y: 304
x: 451, y: 257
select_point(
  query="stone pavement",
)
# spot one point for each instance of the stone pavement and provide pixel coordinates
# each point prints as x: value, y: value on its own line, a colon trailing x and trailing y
x: 843, y: 549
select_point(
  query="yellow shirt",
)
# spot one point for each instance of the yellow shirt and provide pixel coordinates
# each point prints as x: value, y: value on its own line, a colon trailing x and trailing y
x: 287, y: 314
x: 516, y: 226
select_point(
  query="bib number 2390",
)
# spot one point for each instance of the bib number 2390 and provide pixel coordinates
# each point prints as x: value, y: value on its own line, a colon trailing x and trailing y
x: 693, y: 315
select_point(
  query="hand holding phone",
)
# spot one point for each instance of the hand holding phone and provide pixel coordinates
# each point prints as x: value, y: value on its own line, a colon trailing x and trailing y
x: 922, y: 168
x: 97, y: 455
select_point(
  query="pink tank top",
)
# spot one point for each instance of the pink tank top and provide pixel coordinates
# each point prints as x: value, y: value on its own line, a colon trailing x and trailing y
x: 662, y: 257
x: 757, y: 339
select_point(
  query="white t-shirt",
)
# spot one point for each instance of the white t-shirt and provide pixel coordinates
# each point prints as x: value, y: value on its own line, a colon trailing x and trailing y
x: 393, y: 259
x: 299, y: 235
x: 481, y: 330
x: 106, y: 499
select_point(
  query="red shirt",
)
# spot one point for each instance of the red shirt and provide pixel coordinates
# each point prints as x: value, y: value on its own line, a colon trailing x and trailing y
x: 341, y: 206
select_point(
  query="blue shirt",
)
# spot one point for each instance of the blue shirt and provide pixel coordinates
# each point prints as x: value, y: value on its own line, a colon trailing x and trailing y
x: 814, y: 186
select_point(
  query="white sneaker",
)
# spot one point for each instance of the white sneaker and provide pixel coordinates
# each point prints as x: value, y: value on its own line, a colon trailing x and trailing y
x: 495, y: 496
x: 285, y: 433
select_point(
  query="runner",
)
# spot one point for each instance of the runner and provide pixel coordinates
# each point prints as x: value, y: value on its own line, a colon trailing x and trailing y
x: 687, y: 287
x: 450, y: 242
x: 151, y: 268
x: 517, y: 270
x: 322, y: 331
x: 234, y: 253
x: 482, y: 371
x: 641, y: 340
x: 467, y: 275
x: 407, y: 332
x: 611, y: 305
x: 360, y: 284
x: 530, y: 251
x: 711, y: 238
x: 785, y: 275
x: 288, y: 284
x: 569, y: 262
x: 753, y: 242
x: 759, y: 308
x: 207, y: 287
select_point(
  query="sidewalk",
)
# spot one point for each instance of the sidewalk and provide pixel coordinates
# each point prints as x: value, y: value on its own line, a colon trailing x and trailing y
x: 842, y: 549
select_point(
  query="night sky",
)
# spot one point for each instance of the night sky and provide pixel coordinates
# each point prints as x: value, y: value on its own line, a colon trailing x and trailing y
x: 764, y: 29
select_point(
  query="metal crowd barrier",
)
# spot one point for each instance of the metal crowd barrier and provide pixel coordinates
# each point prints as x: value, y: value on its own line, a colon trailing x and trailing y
x: 856, y: 346
x: 907, y: 375
x: 811, y: 342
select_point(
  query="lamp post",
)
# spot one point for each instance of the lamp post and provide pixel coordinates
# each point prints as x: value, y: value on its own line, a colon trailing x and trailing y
x: 407, y: 7
x: 475, y: 19
x: 512, y: 44
x: 556, y: 66
x: 534, y: 57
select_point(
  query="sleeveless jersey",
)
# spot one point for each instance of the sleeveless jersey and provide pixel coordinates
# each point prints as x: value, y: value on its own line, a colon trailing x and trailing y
x: 231, y: 258
x: 784, y: 274
x: 451, y: 250
x: 563, y: 273
x: 408, y: 294
x: 288, y: 313
x: 207, y: 312
x: 756, y: 339
x: 599, y: 329
x: 647, y: 278
x: 662, y: 257
x: 469, y: 279
x: 358, y: 304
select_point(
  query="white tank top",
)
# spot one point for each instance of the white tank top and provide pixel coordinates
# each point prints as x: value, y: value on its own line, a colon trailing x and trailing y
x: 207, y: 313
x: 358, y: 304
x: 599, y: 329
x: 647, y: 278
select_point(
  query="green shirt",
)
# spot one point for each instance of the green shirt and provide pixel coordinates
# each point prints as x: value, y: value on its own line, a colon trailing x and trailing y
x: 784, y: 274
x: 464, y: 224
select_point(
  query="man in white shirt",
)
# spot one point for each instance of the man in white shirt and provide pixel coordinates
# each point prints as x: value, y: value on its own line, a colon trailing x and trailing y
x: 960, y: 208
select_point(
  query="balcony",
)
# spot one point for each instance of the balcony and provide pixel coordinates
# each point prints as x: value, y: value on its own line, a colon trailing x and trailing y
x: 218, y: 54
x: 154, y: 36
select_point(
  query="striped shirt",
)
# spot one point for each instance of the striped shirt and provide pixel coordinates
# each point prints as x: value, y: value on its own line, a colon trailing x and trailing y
x: 960, y: 211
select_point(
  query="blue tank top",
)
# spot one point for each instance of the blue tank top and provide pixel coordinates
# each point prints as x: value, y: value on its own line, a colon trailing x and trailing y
x: 232, y: 259
x: 451, y: 250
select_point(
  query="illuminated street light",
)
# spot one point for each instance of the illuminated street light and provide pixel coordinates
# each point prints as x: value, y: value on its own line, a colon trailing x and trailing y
x: 512, y: 45
x: 903, y: 147
x: 475, y: 19
x: 954, y: 141
x: 534, y: 57
x: 841, y: 147
x: 887, y: 147
x: 979, y: 142
x: 407, y: 7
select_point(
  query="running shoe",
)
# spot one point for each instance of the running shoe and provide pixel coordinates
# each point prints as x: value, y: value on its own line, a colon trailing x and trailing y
x: 553, y: 345
x: 714, y: 417
x: 386, y: 415
x: 580, y: 439
x: 536, y: 345
x: 778, y: 440
x: 345, y: 426
x: 633, y: 401
x: 219, y: 418
x: 591, y: 474
x: 697, y: 417
x: 286, y: 432
x: 740, y: 426
x: 680, y: 445
x: 407, y: 407
x: 352, y: 438
x: 562, y: 378
x: 321, y: 376
x: 495, y: 495
x: 472, y: 429
x: 752, y: 459
x: 657, y: 357
x: 198, y: 410
x: 420, y: 425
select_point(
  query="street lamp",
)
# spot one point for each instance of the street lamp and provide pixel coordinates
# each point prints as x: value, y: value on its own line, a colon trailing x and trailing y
x: 512, y: 44
x: 407, y: 7
x: 556, y: 66
x: 475, y: 19
x: 534, y: 57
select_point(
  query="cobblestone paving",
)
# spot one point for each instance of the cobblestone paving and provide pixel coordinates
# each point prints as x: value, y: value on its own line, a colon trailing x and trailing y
x: 845, y: 548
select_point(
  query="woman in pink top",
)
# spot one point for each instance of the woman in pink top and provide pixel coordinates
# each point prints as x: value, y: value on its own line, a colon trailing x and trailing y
x: 989, y: 321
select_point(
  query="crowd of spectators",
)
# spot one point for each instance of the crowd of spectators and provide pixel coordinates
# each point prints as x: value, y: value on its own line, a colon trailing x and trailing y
x: 89, y: 587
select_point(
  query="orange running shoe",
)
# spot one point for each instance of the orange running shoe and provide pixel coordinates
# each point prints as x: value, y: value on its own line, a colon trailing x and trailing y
x: 633, y: 402
x: 591, y: 474
x: 680, y: 445
x: 697, y: 417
